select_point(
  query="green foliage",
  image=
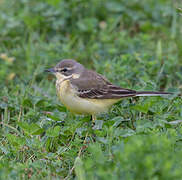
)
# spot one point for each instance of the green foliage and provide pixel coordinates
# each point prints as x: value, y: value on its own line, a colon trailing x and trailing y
x: 151, y: 156
x: 136, y: 44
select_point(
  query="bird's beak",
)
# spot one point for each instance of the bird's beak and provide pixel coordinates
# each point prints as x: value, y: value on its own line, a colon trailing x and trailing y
x: 52, y: 70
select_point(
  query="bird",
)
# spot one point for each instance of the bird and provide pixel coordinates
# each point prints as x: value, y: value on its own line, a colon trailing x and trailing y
x: 84, y: 91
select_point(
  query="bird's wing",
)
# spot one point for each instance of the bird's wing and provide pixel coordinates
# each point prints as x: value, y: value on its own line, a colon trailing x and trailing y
x: 94, y: 86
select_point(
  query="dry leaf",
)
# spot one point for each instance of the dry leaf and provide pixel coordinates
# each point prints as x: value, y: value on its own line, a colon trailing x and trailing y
x: 5, y: 57
x: 11, y: 76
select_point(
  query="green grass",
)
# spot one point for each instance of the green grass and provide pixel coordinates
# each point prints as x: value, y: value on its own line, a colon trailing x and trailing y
x: 136, y: 44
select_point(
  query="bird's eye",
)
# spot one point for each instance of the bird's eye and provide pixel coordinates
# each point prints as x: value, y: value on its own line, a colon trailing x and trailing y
x: 64, y: 70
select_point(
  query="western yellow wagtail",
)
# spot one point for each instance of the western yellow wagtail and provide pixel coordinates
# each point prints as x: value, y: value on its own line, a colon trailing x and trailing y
x: 84, y: 91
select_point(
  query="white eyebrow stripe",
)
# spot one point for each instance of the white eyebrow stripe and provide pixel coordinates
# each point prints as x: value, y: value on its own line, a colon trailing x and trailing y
x: 74, y: 67
x: 68, y: 68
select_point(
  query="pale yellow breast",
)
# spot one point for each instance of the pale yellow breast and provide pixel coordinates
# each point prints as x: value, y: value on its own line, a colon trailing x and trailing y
x: 78, y: 105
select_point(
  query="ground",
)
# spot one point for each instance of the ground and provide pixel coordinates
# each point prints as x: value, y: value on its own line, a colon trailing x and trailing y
x: 135, y: 44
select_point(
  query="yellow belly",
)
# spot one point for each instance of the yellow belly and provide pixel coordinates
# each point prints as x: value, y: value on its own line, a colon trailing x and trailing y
x: 79, y: 105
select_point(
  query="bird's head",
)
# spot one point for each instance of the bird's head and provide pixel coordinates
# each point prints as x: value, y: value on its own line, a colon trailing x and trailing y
x: 66, y: 69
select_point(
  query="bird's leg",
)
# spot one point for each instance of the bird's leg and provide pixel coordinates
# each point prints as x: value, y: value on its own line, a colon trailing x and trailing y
x: 93, y: 119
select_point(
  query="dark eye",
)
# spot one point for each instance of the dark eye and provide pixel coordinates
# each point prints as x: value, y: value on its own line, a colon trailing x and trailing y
x: 64, y: 70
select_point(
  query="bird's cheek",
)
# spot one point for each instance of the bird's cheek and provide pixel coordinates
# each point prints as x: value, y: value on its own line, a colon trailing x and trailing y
x: 60, y: 76
x: 75, y: 76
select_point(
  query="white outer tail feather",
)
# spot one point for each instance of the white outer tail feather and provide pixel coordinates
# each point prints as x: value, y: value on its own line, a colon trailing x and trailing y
x: 152, y: 94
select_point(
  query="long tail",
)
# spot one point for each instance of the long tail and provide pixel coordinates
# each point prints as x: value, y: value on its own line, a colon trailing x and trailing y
x: 152, y: 93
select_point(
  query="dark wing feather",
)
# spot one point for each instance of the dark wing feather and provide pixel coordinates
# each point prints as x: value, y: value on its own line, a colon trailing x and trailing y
x: 94, y: 86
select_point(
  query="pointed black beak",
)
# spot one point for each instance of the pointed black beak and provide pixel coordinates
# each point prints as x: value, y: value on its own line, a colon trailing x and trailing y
x: 52, y: 70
